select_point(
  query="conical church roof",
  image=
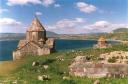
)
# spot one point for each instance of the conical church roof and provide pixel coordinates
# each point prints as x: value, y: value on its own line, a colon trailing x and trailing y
x: 102, y: 39
x: 36, y: 25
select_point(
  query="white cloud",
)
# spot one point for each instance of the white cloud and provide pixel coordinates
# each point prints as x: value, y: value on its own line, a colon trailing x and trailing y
x: 57, y: 5
x: 68, y: 23
x: 105, y: 26
x: 46, y: 3
x: 86, y: 8
x: 100, y: 24
x: 3, y: 10
x: 38, y: 13
x: 22, y: 2
x: 66, y: 26
x: 10, y: 25
x: 9, y: 22
x: 121, y: 25
x: 80, y: 20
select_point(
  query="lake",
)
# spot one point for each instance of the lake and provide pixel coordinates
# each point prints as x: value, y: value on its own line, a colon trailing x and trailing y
x: 6, y: 47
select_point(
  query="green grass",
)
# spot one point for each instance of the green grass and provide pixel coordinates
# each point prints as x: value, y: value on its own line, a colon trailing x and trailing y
x: 25, y: 73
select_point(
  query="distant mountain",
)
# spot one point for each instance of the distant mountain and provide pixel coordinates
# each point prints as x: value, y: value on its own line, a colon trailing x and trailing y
x: 51, y: 34
x: 18, y: 36
x: 121, y: 30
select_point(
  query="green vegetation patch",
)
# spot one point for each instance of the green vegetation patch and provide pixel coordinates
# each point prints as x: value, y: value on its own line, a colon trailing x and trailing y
x: 25, y: 73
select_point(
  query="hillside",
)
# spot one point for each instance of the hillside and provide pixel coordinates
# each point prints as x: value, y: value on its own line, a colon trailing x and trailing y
x: 24, y: 73
x: 121, y: 30
x: 118, y: 34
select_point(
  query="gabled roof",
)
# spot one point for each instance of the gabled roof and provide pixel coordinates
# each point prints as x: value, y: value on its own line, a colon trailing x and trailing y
x: 32, y: 43
x: 36, y: 25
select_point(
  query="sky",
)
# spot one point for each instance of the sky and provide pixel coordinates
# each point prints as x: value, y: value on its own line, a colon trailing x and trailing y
x: 64, y: 16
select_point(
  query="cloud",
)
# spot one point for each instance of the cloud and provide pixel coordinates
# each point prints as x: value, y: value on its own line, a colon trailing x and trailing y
x: 66, y: 26
x: 105, y: 26
x: 22, y: 2
x: 57, y: 5
x: 86, y: 8
x: 38, y: 13
x: 100, y: 24
x: 9, y: 22
x: 121, y: 25
x: 68, y: 23
x: 10, y: 25
x: 3, y: 10
x: 46, y: 3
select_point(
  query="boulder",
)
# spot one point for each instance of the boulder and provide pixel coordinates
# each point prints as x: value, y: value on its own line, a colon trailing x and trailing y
x: 45, y: 66
x: 96, y: 82
x: 35, y: 63
x: 66, y: 78
x: 44, y: 77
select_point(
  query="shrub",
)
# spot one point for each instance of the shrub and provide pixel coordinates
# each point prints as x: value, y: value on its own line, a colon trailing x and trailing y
x: 112, y: 60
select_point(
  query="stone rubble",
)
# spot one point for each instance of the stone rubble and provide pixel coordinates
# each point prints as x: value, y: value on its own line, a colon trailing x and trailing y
x: 121, y: 56
x: 81, y: 67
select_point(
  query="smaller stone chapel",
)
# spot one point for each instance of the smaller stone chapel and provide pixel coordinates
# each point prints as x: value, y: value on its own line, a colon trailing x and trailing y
x: 35, y: 43
x: 102, y: 43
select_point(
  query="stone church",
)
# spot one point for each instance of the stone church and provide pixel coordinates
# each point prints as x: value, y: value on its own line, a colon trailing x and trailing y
x: 102, y: 43
x: 35, y: 43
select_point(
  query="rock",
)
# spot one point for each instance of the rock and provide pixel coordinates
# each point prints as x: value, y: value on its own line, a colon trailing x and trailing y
x: 14, y: 82
x: 45, y: 66
x: 73, y: 51
x: 66, y: 78
x: 35, y: 63
x: 44, y: 77
x: 60, y: 58
x: 96, y: 82
x: 80, y: 59
x: 120, y: 56
x: 40, y: 78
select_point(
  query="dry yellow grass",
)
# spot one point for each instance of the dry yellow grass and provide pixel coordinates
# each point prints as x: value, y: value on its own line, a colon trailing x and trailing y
x: 7, y: 66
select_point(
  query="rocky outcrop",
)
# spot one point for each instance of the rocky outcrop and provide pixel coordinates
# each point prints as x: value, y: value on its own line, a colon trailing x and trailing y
x: 81, y: 68
x: 118, y: 56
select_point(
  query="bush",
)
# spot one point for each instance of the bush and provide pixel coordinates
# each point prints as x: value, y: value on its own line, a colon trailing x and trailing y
x: 112, y: 60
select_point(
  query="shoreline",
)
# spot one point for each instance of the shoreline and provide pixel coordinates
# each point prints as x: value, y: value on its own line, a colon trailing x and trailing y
x: 69, y: 40
x: 64, y: 39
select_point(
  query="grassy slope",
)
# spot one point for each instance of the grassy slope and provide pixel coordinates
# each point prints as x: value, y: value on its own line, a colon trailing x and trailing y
x: 26, y: 74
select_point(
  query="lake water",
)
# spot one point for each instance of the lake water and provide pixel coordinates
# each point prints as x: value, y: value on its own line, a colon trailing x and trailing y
x: 6, y: 47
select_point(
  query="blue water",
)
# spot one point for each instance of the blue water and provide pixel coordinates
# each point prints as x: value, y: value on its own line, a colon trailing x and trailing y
x: 6, y: 47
